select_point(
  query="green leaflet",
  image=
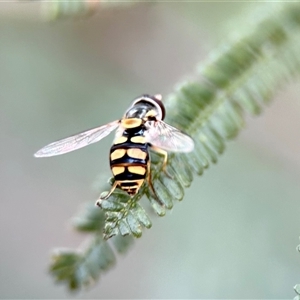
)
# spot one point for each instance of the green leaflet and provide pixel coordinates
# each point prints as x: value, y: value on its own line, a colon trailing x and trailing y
x: 82, y: 268
x: 239, y: 79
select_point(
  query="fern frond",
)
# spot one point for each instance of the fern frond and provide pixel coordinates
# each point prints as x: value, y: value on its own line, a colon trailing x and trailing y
x: 83, y: 267
x: 239, y: 79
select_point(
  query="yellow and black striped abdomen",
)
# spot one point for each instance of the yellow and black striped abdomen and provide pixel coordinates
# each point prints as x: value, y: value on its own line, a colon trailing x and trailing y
x: 128, y: 161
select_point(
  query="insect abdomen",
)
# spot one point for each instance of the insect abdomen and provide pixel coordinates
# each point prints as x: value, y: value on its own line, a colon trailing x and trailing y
x: 128, y: 162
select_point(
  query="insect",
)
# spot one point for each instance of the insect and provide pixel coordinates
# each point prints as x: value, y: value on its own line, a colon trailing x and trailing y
x: 142, y: 127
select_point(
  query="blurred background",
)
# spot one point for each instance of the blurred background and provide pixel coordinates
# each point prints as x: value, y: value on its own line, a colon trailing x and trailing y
x: 59, y: 78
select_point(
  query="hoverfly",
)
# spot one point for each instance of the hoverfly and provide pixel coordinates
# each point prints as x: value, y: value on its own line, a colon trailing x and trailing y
x: 142, y: 127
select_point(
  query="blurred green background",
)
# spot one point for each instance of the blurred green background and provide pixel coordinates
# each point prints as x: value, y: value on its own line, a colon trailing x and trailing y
x: 234, y: 235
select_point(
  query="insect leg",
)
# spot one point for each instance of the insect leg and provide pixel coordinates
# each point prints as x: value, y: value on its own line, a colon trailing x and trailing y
x: 108, y: 195
x: 149, y: 180
x: 165, y: 154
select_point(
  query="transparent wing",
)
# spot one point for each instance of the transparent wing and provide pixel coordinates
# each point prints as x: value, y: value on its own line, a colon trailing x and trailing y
x: 169, y: 138
x: 77, y: 141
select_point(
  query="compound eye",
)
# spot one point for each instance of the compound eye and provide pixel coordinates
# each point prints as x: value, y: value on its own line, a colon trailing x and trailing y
x: 151, y: 118
x: 157, y: 99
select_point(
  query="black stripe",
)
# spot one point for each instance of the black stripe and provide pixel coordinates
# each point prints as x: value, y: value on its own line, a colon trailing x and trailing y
x: 129, y: 176
x: 129, y: 160
x: 135, y: 131
x: 130, y: 183
x: 126, y: 159
x: 128, y: 145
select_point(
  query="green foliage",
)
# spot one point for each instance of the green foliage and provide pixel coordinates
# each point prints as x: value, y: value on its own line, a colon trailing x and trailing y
x: 54, y: 10
x: 124, y: 215
x: 62, y: 9
x: 83, y: 267
x: 239, y: 78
